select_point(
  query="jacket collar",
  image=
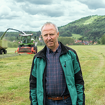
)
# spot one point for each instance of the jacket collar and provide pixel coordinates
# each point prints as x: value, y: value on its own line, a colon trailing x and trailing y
x: 42, y: 53
x: 63, y: 49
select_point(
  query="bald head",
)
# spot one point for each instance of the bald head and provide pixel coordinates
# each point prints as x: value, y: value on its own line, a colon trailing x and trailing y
x: 49, y: 23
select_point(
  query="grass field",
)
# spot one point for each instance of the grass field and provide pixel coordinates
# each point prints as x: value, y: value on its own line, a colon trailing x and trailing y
x: 15, y: 71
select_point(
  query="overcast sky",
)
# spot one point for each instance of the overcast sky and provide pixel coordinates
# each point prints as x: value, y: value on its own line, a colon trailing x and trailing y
x: 30, y: 15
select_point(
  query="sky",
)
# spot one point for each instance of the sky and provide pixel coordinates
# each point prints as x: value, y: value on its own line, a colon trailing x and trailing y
x: 30, y: 15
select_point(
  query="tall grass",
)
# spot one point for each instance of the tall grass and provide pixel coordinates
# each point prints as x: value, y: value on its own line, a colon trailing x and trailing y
x: 15, y: 71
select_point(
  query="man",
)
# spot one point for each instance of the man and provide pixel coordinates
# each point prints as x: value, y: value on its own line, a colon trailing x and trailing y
x: 56, y: 77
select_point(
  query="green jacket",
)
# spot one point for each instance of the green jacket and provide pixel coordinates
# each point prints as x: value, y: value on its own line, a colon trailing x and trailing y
x: 72, y: 71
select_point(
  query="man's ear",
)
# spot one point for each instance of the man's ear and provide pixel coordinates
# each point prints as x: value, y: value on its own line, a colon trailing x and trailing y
x: 58, y: 34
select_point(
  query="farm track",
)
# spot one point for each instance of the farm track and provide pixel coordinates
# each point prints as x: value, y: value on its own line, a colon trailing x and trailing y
x: 10, y: 55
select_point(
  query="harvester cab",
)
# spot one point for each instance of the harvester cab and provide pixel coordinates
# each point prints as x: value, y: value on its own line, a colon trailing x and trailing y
x: 27, y: 44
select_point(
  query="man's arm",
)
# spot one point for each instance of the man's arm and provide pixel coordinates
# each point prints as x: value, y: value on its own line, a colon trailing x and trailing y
x: 32, y: 81
x: 79, y: 82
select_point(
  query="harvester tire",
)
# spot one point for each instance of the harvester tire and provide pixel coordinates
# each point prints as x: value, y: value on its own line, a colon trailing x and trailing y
x: 1, y: 51
x: 35, y: 48
x: 5, y: 51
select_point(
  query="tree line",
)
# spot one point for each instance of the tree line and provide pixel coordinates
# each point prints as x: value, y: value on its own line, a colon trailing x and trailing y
x: 90, y: 28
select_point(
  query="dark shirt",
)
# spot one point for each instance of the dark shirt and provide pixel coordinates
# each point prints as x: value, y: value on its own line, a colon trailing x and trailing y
x: 55, y: 79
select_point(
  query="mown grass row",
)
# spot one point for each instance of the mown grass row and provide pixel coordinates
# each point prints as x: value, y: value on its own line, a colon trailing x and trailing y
x: 15, y: 71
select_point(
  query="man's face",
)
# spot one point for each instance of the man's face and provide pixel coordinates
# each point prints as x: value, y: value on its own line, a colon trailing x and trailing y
x: 50, y: 36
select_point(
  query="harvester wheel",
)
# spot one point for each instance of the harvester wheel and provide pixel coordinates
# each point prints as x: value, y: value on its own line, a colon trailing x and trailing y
x: 1, y: 51
x: 5, y: 51
x: 35, y: 48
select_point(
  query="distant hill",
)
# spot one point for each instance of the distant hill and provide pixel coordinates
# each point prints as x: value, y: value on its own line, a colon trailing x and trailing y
x: 91, y: 27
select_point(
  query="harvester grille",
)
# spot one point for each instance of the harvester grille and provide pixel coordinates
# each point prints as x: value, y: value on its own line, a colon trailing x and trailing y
x: 25, y: 49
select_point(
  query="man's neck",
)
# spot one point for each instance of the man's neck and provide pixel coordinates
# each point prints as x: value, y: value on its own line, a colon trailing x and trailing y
x: 55, y: 48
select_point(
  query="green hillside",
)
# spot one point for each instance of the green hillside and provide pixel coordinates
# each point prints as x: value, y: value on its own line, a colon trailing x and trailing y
x: 91, y: 27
